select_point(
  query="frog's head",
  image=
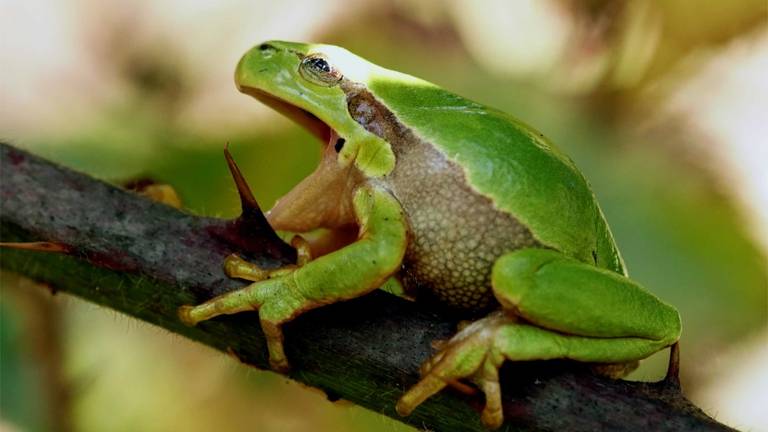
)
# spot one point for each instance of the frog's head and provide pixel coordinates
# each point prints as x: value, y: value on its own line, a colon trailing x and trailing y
x: 302, y: 81
x: 307, y: 83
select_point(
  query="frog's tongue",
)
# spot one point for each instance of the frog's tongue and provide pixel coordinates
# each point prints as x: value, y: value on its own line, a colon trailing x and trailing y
x: 322, y: 200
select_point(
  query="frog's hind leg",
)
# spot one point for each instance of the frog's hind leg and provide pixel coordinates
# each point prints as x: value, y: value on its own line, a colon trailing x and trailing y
x: 562, y: 294
x: 477, y: 352
x: 555, y: 307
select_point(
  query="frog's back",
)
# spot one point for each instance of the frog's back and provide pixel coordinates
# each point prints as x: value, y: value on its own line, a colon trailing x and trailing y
x: 511, y: 164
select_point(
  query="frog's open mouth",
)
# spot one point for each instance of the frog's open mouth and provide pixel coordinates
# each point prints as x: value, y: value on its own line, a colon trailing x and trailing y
x: 301, y: 116
x: 323, y: 199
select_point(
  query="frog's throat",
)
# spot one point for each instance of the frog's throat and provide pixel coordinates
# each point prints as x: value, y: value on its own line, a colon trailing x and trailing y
x: 324, y: 198
x: 321, y: 200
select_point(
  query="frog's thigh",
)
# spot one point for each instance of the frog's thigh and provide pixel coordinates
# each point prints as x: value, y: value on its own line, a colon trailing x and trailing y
x: 587, y: 303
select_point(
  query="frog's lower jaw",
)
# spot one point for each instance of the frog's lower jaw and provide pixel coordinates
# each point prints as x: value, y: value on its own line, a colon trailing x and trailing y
x: 308, y: 120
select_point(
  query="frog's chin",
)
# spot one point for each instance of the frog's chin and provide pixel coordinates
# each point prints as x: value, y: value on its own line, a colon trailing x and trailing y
x: 301, y: 116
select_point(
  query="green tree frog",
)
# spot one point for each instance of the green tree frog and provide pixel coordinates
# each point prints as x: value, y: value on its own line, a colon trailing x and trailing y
x: 444, y: 198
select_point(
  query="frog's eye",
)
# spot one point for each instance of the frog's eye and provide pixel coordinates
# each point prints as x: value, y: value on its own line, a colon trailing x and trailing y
x: 316, y: 69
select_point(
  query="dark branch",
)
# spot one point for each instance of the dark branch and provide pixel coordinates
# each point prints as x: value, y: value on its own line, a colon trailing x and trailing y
x: 146, y: 259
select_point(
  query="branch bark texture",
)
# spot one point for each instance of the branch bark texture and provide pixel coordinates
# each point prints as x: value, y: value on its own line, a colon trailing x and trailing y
x: 146, y: 259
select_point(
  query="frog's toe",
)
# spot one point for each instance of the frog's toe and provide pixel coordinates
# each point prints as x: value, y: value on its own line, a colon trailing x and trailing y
x: 278, y: 361
x: 458, y: 362
x: 417, y: 394
x: 185, y: 315
x: 488, y: 380
x: 238, y: 268
x: 427, y: 366
x: 303, y: 250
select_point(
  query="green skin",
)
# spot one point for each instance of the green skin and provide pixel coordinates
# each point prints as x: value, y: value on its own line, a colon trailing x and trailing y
x: 406, y: 164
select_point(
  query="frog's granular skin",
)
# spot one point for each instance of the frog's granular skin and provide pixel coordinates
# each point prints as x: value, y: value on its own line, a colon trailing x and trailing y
x: 456, y: 233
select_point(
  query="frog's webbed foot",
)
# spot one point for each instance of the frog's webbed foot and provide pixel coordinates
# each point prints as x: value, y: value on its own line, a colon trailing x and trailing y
x: 236, y: 267
x: 472, y: 355
x: 274, y: 294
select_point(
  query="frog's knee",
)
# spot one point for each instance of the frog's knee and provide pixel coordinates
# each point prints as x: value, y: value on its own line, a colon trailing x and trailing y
x: 513, y: 274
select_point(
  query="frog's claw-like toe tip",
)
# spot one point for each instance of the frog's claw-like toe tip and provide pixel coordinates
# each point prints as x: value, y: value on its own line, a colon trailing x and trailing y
x: 492, y: 419
x: 280, y: 366
x: 185, y: 315
x: 403, y: 408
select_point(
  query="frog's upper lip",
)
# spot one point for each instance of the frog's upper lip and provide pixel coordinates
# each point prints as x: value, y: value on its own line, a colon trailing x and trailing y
x: 301, y: 116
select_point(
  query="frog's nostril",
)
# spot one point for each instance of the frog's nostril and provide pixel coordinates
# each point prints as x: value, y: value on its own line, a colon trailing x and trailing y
x: 266, y: 50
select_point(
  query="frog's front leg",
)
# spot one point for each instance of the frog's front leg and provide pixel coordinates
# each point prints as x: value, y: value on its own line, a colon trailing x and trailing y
x: 554, y: 307
x: 349, y: 272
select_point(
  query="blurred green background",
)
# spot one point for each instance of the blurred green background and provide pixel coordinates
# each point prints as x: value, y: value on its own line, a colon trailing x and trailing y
x: 662, y: 105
